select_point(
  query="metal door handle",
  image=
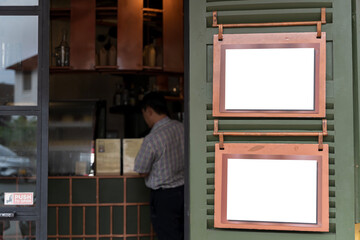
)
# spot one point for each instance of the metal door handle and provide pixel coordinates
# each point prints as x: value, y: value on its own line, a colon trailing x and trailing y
x: 7, y: 215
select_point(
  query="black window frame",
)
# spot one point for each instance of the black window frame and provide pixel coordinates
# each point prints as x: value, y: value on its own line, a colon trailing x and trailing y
x: 38, y: 213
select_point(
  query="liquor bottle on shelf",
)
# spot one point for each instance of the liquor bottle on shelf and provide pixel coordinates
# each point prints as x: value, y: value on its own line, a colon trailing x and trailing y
x: 149, y: 55
x: 141, y: 94
x: 62, y: 52
x: 132, y: 95
x: 103, y: 57
x: 118, y: 95
x: 158, y: 43
x: 112, y: 56
x: 125, y: 97
x: 152, y: 56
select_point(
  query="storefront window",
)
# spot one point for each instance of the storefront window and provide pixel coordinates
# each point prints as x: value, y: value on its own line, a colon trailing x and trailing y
x: 19, y: 2
x: 18, y: 154
x: 18, y: 60
x: 10, y: 230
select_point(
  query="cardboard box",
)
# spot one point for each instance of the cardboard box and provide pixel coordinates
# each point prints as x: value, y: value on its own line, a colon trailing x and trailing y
x: 108, y: 152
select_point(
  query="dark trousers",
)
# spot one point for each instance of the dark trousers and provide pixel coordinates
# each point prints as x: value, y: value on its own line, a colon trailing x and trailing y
x: 167, y: 213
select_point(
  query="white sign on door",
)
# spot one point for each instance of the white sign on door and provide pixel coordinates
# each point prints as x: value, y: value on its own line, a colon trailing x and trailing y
x: 19, y: 198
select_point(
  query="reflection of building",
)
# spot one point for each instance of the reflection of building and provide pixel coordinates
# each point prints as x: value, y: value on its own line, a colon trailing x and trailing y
x: 6, y: 92
x: 26, y: 84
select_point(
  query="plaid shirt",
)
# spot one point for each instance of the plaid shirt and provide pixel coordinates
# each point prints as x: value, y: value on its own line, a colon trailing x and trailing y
x: 162, y: 155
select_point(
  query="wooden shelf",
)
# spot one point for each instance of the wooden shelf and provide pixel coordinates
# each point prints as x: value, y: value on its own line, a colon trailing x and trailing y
x: 106, y: 68
x: 60, y: 12
x: 113, y: 70
x: 55, y: 69
x: 100, y: 11
x: 61, y: 124
x: 152, y: 68
x: 106, y: 22
x: 97, y: 176
x: 174, y: 98
x: 154, y: 10
x: 106, y: 11
x: 124, y: 109
x: 136, y: 109
x: 82, y: 35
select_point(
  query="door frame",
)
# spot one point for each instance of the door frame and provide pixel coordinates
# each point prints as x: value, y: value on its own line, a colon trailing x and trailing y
x: 39, y: 212
x: 187, y: 120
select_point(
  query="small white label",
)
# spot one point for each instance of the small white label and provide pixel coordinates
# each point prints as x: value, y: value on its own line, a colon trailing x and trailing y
x: 19, y: 198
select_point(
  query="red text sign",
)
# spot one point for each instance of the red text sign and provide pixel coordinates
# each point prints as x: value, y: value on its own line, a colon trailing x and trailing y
x: 19, y: 198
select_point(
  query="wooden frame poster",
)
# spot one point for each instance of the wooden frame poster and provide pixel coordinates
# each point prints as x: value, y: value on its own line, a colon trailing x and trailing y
x: 272, y: 187
x: 269, y: 75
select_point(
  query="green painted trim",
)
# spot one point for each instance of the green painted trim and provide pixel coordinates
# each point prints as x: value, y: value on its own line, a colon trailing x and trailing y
x: 275, y: 4
x: 344, y: 132
x: 197, y: 120
x: 356, y: 55
x: 266, y: 235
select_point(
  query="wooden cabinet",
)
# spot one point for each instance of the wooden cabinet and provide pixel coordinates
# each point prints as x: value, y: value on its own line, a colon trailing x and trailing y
x: 82, y: 34
x: 173, y: 25
x: 132, y: 19
x: 130, y: 37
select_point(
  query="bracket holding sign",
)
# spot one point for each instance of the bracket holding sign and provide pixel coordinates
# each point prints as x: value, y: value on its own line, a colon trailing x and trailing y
x: 272, y: 24
x: 320, y: 135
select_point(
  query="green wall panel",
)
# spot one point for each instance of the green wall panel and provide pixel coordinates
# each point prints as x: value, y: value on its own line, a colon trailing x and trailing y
x: 58, y: 191
x: 77, y: 220
x: 131, y: 218
x: 136, y: 191
x: 118, y: 218
x: 90, y: 219
x: 104, y: 220
x: 356, y: 51
x: 111, y: 190
x: 51, y: 219
x: 111, y: 193
x: 145, y: 219
x: 344, y: 137
x: 64, y: 217
x: 339, y: 110
x: 84, y: 191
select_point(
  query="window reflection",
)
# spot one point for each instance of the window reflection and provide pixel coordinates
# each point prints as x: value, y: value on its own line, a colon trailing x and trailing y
x: 10, y: 230
x: 19, y: 2
x: 18, y: 154
x: 18, y: 60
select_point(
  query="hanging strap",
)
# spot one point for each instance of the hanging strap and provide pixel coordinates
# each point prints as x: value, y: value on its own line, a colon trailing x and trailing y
x: 274, y: 24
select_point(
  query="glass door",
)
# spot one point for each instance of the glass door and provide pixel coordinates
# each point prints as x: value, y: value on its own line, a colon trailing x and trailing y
x: 23, y: 118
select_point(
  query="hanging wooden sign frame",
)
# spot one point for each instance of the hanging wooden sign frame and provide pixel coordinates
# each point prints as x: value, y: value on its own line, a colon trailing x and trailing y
x: 269, y: 75
x: 245, y: 203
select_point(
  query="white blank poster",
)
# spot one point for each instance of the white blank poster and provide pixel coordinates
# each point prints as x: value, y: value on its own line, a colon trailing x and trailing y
x: 270, y: 79
x: 272, y: 190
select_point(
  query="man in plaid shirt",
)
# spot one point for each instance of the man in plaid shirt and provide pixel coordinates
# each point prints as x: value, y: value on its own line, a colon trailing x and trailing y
x: 161, y: 161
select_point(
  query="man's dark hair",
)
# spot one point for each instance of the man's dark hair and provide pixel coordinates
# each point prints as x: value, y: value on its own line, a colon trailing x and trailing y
x: 156, y: 101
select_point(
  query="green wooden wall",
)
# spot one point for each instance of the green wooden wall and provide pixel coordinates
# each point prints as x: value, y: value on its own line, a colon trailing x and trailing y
x: 340, y: 106
x: 356, y: 62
